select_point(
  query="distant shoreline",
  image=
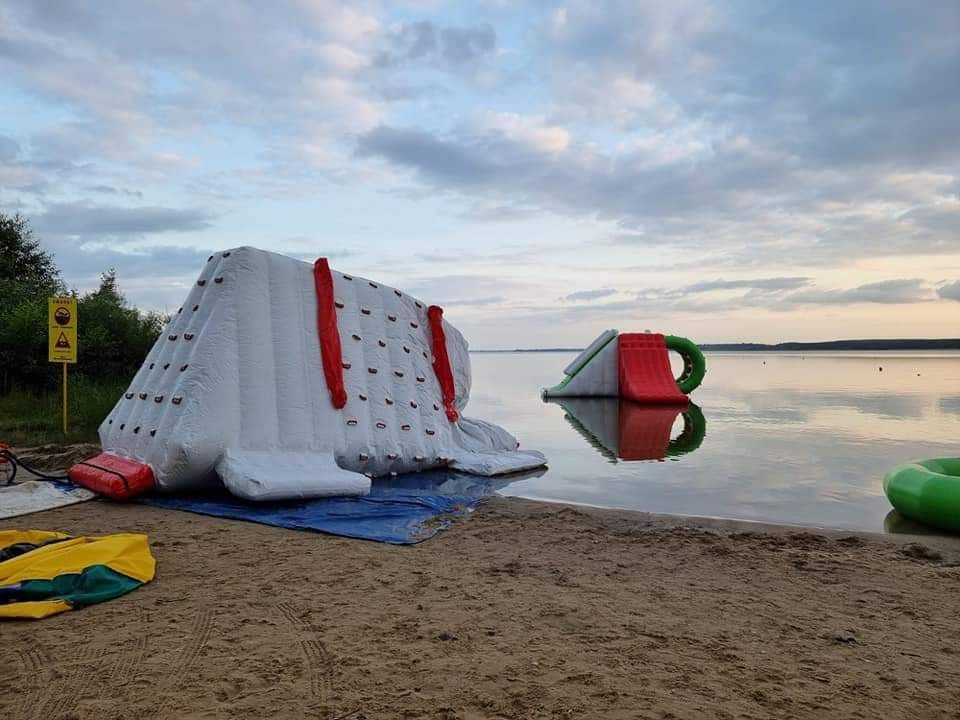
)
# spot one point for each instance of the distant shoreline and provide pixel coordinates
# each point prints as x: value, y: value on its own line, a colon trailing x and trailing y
x: 830, y: 345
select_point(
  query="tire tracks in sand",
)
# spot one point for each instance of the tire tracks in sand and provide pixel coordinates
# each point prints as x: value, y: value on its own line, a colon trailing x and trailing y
x: 33, y: 662
x: 319, y: 661
x: 200, y: 631
x: 90, y: 675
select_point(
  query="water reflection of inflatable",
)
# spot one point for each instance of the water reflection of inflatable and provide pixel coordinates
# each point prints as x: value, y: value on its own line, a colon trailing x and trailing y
x: 899, y: 524
x: 625, y: 430
x: 445, y: 482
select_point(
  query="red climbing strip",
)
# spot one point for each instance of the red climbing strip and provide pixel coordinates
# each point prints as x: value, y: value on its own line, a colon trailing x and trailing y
x: 645, y: 374
x: 441, y: 361
x: 328, y: 332
x: 116, y: 477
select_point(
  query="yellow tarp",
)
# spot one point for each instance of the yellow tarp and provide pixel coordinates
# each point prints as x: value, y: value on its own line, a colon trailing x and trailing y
x: 123, y: 562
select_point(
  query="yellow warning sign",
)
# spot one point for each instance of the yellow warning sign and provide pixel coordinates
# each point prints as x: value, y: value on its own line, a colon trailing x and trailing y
x: 62, y: 326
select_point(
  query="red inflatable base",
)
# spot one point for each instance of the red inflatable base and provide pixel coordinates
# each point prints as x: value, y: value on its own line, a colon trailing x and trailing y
x: 116, y: 477
x: 645, y: 374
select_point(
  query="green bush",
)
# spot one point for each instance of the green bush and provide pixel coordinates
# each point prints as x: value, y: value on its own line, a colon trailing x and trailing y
x: 113, y: 339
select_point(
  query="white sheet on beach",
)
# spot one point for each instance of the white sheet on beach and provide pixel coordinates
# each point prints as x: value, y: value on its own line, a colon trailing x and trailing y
x: 36, y: 495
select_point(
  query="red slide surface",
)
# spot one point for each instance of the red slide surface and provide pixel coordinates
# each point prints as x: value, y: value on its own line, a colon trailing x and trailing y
x: 116, y: 477
x: 645, y: 374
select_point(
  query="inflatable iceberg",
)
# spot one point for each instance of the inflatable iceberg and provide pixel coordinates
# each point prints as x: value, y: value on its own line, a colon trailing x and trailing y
x: 288, y: 380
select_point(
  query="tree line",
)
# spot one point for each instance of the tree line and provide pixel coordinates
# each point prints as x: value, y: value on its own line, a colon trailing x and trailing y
x: 114, y: 337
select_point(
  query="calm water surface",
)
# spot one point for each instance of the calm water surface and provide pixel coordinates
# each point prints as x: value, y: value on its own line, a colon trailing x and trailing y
x: 789, y: 438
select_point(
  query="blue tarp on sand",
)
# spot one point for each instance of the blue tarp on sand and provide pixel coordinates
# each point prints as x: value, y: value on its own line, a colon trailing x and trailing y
x: 402, y: 510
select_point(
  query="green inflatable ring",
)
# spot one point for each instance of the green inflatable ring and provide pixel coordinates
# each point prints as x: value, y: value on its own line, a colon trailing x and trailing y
x: 928, y: 491
x: 694, y: 364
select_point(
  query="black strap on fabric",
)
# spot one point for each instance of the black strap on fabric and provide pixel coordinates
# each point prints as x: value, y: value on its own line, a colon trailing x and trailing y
x: 18, y: 549
x: 107, y: 470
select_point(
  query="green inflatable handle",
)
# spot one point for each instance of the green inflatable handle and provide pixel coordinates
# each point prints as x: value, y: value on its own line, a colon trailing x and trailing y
x: 694, y: 364
x: 927, y: 490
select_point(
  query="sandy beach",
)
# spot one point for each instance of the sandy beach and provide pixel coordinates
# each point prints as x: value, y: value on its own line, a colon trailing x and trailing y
x: 521, y: 610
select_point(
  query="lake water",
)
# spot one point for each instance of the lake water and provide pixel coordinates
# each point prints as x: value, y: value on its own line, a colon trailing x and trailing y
x: 789, y: 438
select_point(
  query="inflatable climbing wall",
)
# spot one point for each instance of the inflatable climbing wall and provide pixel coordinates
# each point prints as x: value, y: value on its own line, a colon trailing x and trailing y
x: 290, y: 380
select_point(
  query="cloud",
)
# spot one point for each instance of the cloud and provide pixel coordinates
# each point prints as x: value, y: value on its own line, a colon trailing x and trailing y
x: 177, y: 70
x: 475, y: 302
x: 133, y: 264
x: 435, y: 159
x: 526, y: 130
x: 25, y: 175
x: 88, y: 220
x: 808, y: 79
x: 950, y: 291
x: 774, y: 284
x: 777, y: 294
x: 466, y: 44
x: 414, y: 41
x: 729, y: 194
x: 792, y: 142
x: 719, y: 298
x: 152, y: 277
x: 451, y: 45
x: 456, y: 289
x: 782, y: 293
x: 886, y: 292
x: 9, y: 149
x: 588, y: 295
x: 110, y: 190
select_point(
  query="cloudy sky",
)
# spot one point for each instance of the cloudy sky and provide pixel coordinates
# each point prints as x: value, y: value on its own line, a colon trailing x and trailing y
x: 724, y: 170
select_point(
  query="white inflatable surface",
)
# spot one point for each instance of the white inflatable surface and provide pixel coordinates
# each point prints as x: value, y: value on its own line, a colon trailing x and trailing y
x: 593, y: 373
x: 36, y: 495
x: 235, y: 385
x: 588, y: 352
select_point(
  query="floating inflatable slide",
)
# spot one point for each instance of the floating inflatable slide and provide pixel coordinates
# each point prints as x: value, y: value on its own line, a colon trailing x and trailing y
x: 289, y: 380
x: 632, y: 366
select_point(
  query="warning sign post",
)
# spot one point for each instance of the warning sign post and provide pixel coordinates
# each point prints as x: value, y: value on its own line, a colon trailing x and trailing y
x: 62, y: 322
x: 62, y: 338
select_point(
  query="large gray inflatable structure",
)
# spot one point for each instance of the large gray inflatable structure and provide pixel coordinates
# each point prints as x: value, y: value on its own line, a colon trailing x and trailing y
x: 239, y: 386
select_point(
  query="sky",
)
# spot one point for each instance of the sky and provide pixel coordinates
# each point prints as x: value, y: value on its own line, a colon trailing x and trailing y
x: 729, y: 171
